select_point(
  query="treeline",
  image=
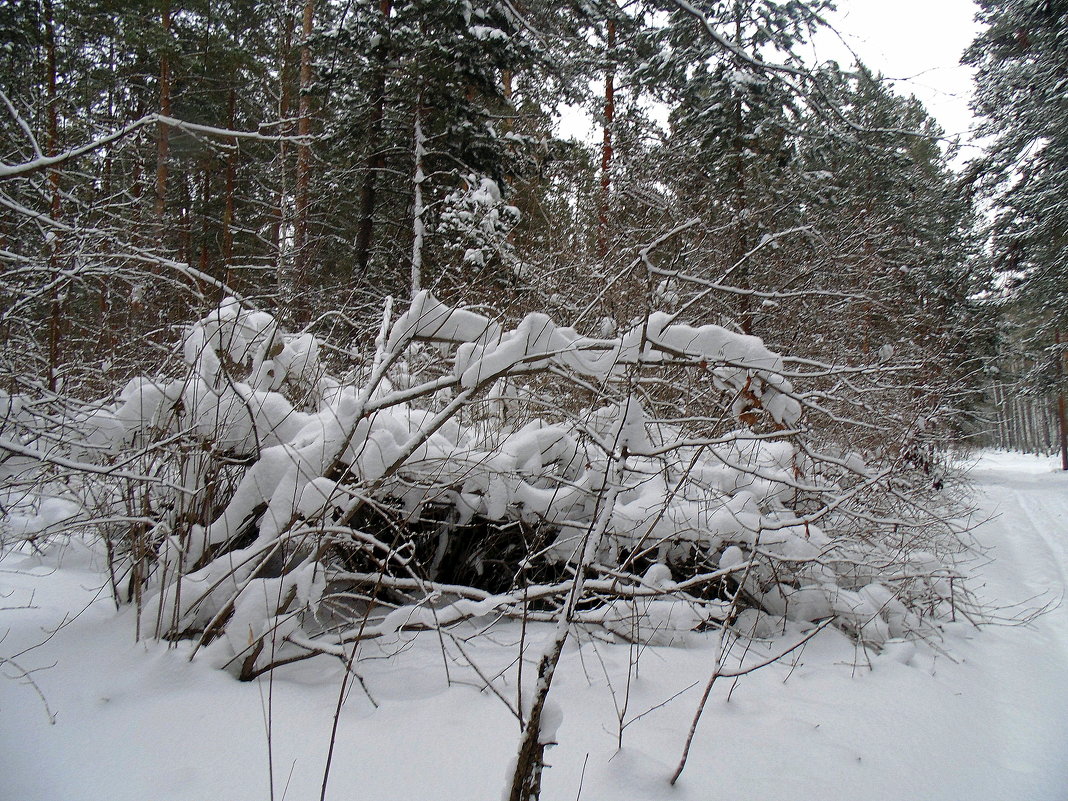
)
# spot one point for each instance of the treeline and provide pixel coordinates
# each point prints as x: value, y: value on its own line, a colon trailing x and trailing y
x: 1020, y: 60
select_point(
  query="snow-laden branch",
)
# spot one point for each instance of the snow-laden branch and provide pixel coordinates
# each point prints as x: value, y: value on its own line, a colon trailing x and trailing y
x: 23, y: 125
x: 43, y: 162
x: 43, y: 457
x: 380, y: 488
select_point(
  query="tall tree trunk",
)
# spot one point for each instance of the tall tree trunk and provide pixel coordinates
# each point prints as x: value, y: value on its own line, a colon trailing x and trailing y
x: 417, y: 197
x: 507, y: 92
x: 55, y: 322
x: 302, y: 201
x: 231, y: 174
x: 1062, y: 413
x: 375, y: 160
x: 282, y: 233
x: 184, y: 212
x: 302, y: 254
x: 606, y: 143
x: 106, y: 330
x: 163, y: 141
x: 741, y: 237
x: 205, y: 230
x: 999, y: 405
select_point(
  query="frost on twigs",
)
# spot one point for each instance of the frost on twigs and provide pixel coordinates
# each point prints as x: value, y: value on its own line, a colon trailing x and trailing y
x: 281, y: 512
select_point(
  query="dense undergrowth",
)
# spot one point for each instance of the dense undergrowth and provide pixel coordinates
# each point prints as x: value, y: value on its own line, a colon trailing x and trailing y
x: 250, y: 497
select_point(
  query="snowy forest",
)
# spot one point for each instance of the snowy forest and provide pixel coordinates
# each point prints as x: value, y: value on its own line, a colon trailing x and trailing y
x: 329, y: 354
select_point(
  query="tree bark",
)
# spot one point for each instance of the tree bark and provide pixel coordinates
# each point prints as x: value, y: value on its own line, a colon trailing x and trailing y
x: 55, y: 322
x: 606, y: 143
x: 205, y: 227
x: 417, y: 197
x: 163, y: 131
x: 741, y: 238
x: 1062, y: 414
x: 231, y: 174
x: 375, y: 160
x: 302, y: 201
x: 281, y: 231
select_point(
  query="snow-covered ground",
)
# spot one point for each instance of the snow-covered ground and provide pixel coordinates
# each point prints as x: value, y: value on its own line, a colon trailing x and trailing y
x: 983, y: 715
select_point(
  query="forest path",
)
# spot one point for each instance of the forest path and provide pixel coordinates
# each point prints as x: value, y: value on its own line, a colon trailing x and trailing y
x: 1026, y: 666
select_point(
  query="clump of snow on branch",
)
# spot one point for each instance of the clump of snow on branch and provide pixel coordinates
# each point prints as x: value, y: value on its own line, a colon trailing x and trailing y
x: 367, y: 488
x: 477, y: 221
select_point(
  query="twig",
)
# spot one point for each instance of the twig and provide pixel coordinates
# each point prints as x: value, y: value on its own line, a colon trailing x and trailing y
x: 717, y: 673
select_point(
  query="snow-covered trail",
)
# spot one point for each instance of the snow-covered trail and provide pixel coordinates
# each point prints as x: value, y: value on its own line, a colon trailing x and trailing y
x: 1031, y: 500
x: 986, y: 721
x: 1026, y: 668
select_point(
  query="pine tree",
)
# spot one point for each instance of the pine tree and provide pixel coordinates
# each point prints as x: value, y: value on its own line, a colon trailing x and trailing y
x: 896, y: 243
x: 1021, y: 62
x: 731, y: 149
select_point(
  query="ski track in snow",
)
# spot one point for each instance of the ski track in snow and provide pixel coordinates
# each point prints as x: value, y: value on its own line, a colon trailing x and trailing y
x: 1029, y: 537
x: 1040, y: 525
x: 989, y: 722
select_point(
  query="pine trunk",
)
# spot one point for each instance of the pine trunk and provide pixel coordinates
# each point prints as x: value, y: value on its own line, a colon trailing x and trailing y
x: 375, y: 161
x: 204, y: 260
x: 55, y: 322
x: 281, y: 234
x: 1062, y: 413
x: 163, y: 141
x: 228, y: 210
x: 741, y: 238
x: 302, y: 201
x: 417, y: 198
x: 606, y: 144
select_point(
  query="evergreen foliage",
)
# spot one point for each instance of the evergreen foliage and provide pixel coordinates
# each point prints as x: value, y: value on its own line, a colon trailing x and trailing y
x: 1021, y: 62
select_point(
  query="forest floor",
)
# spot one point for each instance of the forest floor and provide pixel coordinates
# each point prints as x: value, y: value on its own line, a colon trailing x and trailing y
x: 981, y: 715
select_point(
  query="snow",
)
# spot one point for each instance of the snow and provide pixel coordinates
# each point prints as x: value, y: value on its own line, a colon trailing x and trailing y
x: 486, y: 353
x: 429, y: 318
x: 979, y: 715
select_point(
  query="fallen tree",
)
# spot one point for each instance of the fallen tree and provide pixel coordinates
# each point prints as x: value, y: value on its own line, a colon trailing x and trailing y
x: 467, y: 470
